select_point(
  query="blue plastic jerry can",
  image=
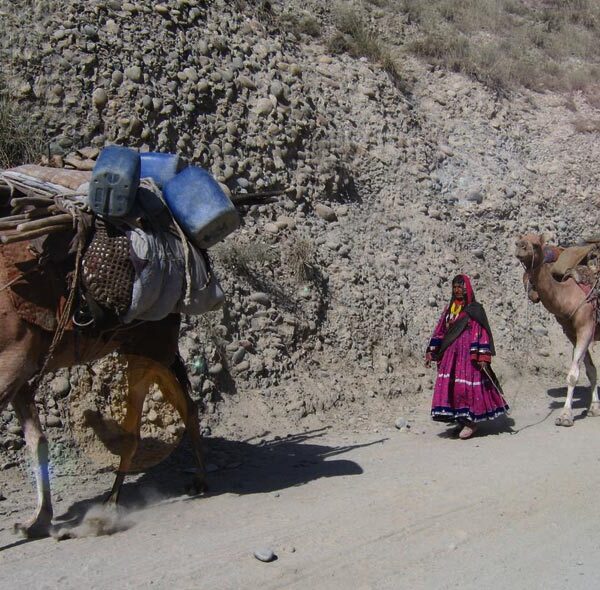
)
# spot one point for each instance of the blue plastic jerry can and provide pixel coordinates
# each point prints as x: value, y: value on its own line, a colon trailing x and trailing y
x: 115, y: 181
x: 160, y: 167
x: 202, y: 209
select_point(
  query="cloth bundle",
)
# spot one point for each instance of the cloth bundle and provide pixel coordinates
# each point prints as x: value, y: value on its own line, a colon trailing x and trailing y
x: 161, y: 286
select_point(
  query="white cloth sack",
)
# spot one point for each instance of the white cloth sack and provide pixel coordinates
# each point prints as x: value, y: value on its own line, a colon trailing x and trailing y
x: 159, y: 287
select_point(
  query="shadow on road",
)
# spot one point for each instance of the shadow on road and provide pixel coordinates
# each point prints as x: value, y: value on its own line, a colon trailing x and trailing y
x: 239, y: 467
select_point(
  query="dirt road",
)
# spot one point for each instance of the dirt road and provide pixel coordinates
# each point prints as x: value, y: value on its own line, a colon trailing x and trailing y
x: 377, y: 510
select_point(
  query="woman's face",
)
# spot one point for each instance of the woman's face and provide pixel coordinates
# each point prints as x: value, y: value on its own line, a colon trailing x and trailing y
x: 458, y: 291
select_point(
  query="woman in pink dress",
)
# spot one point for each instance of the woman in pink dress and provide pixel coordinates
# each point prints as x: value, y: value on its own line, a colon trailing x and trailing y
x: 466, y: 390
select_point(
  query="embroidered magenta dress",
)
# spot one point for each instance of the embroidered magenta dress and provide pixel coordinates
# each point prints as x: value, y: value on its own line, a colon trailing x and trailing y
x: 462, y: 389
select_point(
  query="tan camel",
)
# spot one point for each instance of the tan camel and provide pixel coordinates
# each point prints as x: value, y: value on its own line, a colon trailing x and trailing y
x: 151, y: 349
x: 577, y: 317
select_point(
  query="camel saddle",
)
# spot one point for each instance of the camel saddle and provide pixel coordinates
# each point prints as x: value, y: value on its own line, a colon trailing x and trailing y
x: 578, y: 262
x: 37, y: 276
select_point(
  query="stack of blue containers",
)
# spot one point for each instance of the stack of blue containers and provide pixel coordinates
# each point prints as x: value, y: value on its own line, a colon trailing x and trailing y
x: 194, y: 197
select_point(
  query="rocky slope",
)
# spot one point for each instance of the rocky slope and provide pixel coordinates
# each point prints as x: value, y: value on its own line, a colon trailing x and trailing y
x: 390, y: 191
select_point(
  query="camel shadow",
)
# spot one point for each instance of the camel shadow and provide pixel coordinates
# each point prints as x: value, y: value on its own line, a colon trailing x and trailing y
x: 237, y: 467
x: 581, y: 399
x: 501, y: 425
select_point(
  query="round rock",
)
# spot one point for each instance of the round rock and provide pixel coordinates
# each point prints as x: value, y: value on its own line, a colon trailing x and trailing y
x: 99, y: 98
x: 60, y: 386
x: 325, y: 212
x: 134, y: 73
x: 265, y: 554
x: 401, y: 423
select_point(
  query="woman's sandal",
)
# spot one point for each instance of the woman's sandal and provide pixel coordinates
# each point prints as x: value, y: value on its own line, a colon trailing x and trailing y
x: 468, y: 431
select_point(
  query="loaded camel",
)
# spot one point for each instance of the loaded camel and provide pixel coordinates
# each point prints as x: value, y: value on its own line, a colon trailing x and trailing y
x: 568, y: 302
x: 151, y: 350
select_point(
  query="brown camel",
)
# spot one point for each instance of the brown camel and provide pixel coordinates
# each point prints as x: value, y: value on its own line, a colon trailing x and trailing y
x: 577, y: 317
x: 151, y: 349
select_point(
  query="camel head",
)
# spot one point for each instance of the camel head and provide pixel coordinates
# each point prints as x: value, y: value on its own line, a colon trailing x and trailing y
x: 530, y: 250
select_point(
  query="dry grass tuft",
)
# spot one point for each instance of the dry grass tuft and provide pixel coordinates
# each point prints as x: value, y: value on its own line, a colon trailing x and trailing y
x: 584, y: 125
x: 300, y: 258
x: 21, y: 142
x: 355, y: 37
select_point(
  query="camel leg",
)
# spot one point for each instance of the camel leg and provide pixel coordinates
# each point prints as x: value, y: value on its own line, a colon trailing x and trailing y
x: 26, y: 410
x: 579, y: 351
x: 20, y: 346
x: 177, y: 394
x: 592, y: 375
x: 139, y: 384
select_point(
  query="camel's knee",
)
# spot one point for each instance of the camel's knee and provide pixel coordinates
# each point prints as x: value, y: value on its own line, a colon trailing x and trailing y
x: 572, y: 378
x: 33, y: 433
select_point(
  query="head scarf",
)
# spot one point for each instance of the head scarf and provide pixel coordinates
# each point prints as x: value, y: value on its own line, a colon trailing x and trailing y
x: 466, y: 282
x: 473, y: 308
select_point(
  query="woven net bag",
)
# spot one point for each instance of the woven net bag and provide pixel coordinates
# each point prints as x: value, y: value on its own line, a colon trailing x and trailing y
x: 107, y: 271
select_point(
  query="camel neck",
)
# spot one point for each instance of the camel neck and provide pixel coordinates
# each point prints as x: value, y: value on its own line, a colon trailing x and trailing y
x: 551, y: 291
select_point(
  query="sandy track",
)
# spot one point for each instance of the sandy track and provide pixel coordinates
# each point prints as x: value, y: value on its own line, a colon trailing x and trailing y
x: 379, y: 510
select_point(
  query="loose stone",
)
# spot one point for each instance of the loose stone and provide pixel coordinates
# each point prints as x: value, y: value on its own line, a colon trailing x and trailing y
x: 265, y: 554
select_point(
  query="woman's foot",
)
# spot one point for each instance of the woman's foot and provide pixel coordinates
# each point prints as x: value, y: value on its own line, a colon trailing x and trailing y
x: 468, y: 430
x: 457, y: 429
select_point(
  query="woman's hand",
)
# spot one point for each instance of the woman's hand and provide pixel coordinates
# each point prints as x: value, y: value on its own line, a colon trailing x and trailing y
x: 482, y: 364
x: 428, y: 360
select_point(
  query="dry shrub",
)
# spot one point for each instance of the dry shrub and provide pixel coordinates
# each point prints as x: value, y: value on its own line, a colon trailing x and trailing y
x: 300, y: 258
x: 584, y: 125
x: 339, y: 43
x: 304, y: 23
x: 592, y: 95
x: 570, y: 104
x: 244, y: 258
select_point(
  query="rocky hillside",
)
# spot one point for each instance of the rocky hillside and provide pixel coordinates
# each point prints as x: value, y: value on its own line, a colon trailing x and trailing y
x: 397, y: 174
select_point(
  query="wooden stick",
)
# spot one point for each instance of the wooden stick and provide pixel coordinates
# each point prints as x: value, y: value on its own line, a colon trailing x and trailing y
x: 20, y: 201
x: 274, y: 193
x: 30, y: 235
x: 12, y: 220
x: 46, y: 222
x: 246, y: 201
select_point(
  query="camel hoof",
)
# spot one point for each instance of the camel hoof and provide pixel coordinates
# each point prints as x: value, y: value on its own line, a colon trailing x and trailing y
x: 197, y: 487
x: 36, y: 529
x: 594, y: 410
x: 564, y: 420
